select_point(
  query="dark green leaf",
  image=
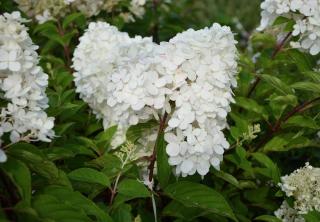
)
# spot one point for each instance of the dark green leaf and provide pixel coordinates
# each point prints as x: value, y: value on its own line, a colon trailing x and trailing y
x: 307, y: 86
x: 312, y: 216
x: 198, y: 195
x: 133, y: 188
x: 122, y: 213
x: 60, y: 203
x: 285, y: 142
x: 71, y: 18
x: 300, y: 59
x: 251, y: 105
x: 227, y: 177
x: 314, y: 76
x: 280, y: 20
x: 103, y: 139
x: 301, y: 121
x: 163, y: 167
x: 20, y: 176
x: 269, y: 164
x: 90, y: 176
x: 176, y: 209
x: 267, y: 218
x: 277, y: 84
x: 136, y: 132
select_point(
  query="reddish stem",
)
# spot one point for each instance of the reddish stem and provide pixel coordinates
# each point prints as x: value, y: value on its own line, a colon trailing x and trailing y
x: 153, y: 157
x: 66, y: 49
x: 277, y: 127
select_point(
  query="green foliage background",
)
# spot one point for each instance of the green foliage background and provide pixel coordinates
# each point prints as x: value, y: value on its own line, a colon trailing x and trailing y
x: 72, y: 178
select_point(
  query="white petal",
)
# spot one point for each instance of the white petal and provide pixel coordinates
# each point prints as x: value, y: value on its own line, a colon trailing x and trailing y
x: 173, y: 122
x: 315, y: 49
x: 173, y: 149
x: 186, y: 166
x: 174, y: 160
x: 171, y: 138
x: 3, y: 156
x: 203, y: 167
x: 138, y: 106
x: 3, y: 65
x: 215, y: 161
x: 218, y: 149
x: 14, y: 66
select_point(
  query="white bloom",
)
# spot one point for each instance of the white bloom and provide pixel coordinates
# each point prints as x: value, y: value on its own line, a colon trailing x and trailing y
x: 288, y: 214
x: 69, y: 1
x: 23, y: 84
x: 303, y: 185
x: 3, y: 156
x: 44, y: 10
x: 44, y: 17
x: 305, y: 14
x: 203, y: 67
x: 130, y: 80
x: 136, y: 7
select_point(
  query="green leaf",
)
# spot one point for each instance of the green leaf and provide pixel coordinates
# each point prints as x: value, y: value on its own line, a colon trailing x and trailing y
x: 54, y: 36
x: 88, y: 143
x: 276, y: 144
x: 241, y: 126
x: 269, y: 164
x: 277, y: 84
x: 110, y: 164
x: 49, y: 207
x: 285, y: 142
x: 251, y: 105
x: 227, y: 177
x: 312, y: 216
x: 258, y: 196
x: 300, y: 59
x: 288, y: 99
x: 20, y: 175
x: 45, y: 27
x: 198, y: 195
x: 71, y: 18
x: 103, y: 139
x: 135, y: 132
x: 62, y: 128
x: 314, y: 76
x: 67, y: 151
x: 133, y: 188
x: 178, y: 210
x: 278, y: 104
x: 64, y: 205
x: 263, y: 39
x: 163, y: 167
x: 280, y: 20
x: 122, y: 213
x: 89, y: 175
x: 307, y: 86
x: 268, y: 218
x: 301, y: 121
x: 38, y: 163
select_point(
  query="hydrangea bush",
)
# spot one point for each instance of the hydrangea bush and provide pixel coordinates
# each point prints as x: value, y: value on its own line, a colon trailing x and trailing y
x: 120, y: 111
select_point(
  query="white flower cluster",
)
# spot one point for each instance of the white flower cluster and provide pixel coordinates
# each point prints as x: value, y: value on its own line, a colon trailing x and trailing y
x: 45, y: 10
x: 23, y: 84
x: 203, y: 67
x: 304, y: 13
x: 304, y: 186
x: 130, y: 80
x: 288, y: 214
